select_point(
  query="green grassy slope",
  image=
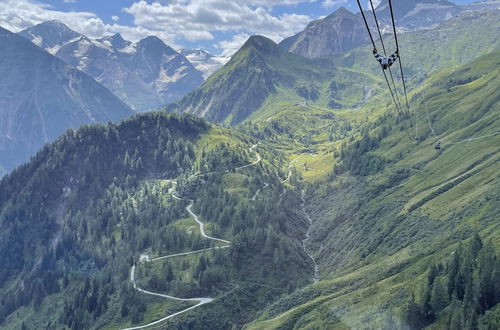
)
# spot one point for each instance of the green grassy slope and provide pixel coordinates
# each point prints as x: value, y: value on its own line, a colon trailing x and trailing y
x: 261, y: 76
x: 378, y: 228
x: 454, y: 42
x: 262, y: 81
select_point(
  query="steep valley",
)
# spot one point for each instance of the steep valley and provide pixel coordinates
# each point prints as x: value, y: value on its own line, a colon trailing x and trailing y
x: 392, y: 209
x: 284, y: 193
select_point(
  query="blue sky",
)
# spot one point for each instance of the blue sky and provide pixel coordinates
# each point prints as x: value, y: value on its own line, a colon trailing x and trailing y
x: 219, y: 26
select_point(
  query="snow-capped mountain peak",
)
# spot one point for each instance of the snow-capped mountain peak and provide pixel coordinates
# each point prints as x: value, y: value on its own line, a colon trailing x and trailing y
x: 50, y: 35
x: 204, y: 61
x: 146, y: 75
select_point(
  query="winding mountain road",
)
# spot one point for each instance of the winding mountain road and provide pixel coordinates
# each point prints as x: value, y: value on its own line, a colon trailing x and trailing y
x: 254, y: 198
x: 251, y: 164
x: 202, y: 226
x: 145, y: 258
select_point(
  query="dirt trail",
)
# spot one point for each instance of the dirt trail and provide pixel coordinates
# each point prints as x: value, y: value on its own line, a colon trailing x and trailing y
x: 145, y: 258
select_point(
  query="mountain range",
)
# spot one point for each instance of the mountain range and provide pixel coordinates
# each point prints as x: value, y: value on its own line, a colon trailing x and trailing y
x: 260, y: 73
x: 319, y: 205
x: 145, y: 75
x: 42, y: 97
x: 262, y: 78
x: 258, y: 67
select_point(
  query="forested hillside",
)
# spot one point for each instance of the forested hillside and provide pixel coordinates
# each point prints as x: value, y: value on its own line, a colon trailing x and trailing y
x: 323, y: 206
x: 79, y: 215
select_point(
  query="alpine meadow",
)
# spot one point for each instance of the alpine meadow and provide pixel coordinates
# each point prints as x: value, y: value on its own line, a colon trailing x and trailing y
x: 288, y: 164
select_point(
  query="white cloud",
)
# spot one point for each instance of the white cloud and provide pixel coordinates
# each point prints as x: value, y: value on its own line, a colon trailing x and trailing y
x: 272, y: 3
x: 229, y: 47
x: 69, y: 1
x: 198, y: 19
x: 171, y: 20
x: 16, y: 15
x: 329, y: 4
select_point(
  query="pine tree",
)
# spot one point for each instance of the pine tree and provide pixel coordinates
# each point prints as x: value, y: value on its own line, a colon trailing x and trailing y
x: 124, y: 311
x: 486, y: 295
x: 453, y: 271
x: 169, y: 274
x: 427, y: 309
x: 439, y: 296
x: 476, y: 245
x: 413, y: 316
x: 136, y: 316
x: 433, y: 272
x: 456, y: 321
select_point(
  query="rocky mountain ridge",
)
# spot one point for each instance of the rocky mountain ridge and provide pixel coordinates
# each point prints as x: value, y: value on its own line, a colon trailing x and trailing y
x: 145, y: 75
x: 42, y: 97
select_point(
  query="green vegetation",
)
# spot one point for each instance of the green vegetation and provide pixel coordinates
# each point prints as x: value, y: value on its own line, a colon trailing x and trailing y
x: 393, y: 211
x: 261, y: 76
x: 262, y: 83
x: 405, y: 236
x: 103, y: 192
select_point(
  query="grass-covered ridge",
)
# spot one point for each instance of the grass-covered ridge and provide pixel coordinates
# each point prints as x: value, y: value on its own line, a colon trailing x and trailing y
x: 261, y: 75
x: 381, y: 228
x: 262, y: 81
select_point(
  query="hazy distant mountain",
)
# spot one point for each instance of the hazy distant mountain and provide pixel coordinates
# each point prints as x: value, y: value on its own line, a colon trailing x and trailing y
x: 145, y: 75
x: 412, y: 15
x: 42, y: 97
x: 339, y: 32
x: 50, y: 35
x: 204, y: 61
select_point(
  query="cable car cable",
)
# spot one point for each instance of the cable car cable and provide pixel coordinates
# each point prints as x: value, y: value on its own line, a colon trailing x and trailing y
x: 400, y: 63
x: 385, y: 53
x: 385, y: 75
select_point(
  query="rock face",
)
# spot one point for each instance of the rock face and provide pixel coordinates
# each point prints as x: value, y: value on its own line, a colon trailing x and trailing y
x: 342, y: 30
x: 42, y: 97
x: 337, y: 33
x: 204, y: 61
x: 414, y: 15
x: 50, y: 35
x: 145, y: 75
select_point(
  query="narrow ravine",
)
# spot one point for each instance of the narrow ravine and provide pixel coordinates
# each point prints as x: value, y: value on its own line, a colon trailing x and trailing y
x: 308, y: 235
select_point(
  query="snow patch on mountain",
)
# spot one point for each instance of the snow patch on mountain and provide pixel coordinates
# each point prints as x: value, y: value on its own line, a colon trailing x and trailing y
x: 204, y: 61
x: 425, y: 6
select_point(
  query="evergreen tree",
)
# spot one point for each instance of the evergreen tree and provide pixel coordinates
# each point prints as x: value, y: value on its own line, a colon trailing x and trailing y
x: 457, y: 319
x: 439, y: 296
